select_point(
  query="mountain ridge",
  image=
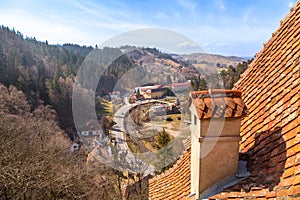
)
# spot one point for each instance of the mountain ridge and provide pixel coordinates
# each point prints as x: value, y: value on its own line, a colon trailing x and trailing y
x: 46, y: 73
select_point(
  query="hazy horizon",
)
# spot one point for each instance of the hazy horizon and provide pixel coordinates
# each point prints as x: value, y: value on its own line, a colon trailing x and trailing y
x: 224, y: 27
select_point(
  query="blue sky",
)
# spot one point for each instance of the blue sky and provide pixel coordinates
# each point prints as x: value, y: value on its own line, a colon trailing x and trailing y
x: 227, y: 27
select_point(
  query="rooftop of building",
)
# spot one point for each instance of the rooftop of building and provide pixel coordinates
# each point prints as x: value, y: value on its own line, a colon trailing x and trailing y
x: 270, y: 132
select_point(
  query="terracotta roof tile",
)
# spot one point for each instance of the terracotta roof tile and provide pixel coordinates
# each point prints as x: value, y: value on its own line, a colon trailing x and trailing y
x: 218, y: 103
x: 271, y: 131
x: 271, y: 92
x: 174, y: 183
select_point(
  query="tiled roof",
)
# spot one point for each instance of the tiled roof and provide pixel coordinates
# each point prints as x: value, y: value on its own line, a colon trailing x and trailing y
x: 174, y: 183
x: 218, y: 103
x: 271, y: 130
x: 157, y: 90
x: 187, y: 143
x: 180, y: 84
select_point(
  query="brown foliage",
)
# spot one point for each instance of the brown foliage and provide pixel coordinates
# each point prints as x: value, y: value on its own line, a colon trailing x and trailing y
x: 35, y: 157
x: 13, y: 101
x: 36, y: 163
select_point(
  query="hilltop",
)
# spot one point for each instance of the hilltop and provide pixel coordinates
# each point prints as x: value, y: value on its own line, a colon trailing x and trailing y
x: 45, y: 73
x: 214, y: 59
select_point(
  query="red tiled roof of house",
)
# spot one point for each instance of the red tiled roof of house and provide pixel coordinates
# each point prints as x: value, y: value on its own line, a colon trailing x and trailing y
x: 271, y: 131
x: 179, y: 84
x: 174, y: 183
x: 218, y: 103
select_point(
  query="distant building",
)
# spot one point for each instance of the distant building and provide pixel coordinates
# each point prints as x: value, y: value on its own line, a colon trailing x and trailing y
x: 144, y: 89
x: 179, y: 87
x: 160, y: 106
x: 92, y: 128
x: 115, y: 96
x: 158, y: 91
x: 136, y: 97
x: 155, y: 93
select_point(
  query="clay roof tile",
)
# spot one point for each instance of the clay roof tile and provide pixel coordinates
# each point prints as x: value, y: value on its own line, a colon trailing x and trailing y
x: 273, y: 153
x: 218, y: 103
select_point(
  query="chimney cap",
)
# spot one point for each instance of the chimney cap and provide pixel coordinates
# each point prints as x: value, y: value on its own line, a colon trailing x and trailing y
x: 218, y: 104
x: 216, y: 93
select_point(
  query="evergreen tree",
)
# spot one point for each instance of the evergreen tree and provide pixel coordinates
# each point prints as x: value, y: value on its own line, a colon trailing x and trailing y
x: 194, y: 84
x: 163, y: 138
x: 21, y: 83
x: 202, y: 84
x: 58, y: 70
x: 24, y: 61
x: 30, y: 80
x: 44, y: 95
x: 138, y: 93
x: 55, y: 84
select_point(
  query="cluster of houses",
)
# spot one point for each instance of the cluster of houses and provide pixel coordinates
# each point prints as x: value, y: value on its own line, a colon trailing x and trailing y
x: 157, y: 91
x: 114, y: 97
x: 92, y: 129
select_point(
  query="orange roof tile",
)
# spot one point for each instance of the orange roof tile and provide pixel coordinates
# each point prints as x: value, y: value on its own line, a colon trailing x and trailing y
x: 271, y: 130
x: 218, y: 103
x: 174, y: 183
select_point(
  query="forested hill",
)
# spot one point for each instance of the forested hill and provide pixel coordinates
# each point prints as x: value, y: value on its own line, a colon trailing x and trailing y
x: 36, y: 85
x: 26, y: 60
x: 45, y: 73
x: 36, y: 162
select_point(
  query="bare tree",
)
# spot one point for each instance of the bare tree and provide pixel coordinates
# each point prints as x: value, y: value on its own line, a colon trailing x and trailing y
x: 35, y: 157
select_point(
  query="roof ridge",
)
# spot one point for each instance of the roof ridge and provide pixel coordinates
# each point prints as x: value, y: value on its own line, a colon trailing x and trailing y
x: 216, y: 91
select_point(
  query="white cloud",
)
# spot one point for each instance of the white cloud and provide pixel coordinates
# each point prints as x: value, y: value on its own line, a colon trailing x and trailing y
x: 221, y: 4
x: 186, y: 45
x: 291, y: 4
x: 86, y: 24
x: 188, y: 4
x: 89, y: 22
x: 43, y: 29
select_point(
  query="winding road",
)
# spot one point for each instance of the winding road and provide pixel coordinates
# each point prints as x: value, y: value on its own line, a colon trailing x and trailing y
x: 119, y: 133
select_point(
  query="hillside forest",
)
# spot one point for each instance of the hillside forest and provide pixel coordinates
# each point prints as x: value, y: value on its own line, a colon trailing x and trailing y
x: 36, y: 121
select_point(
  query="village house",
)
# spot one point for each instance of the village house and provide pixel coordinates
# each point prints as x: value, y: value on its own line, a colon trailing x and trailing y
x: 136, y: 97
x: 266, y: 137
x: 148, y: 92
x: 91, y: 128
x: 180, y: 87
x: 155, y: 93
x: 115, y: 96
x: 144, y: 89
x: 158, y: 91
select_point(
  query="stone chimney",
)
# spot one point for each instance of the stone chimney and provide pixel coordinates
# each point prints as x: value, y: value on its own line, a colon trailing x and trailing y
x: 215, y: 132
